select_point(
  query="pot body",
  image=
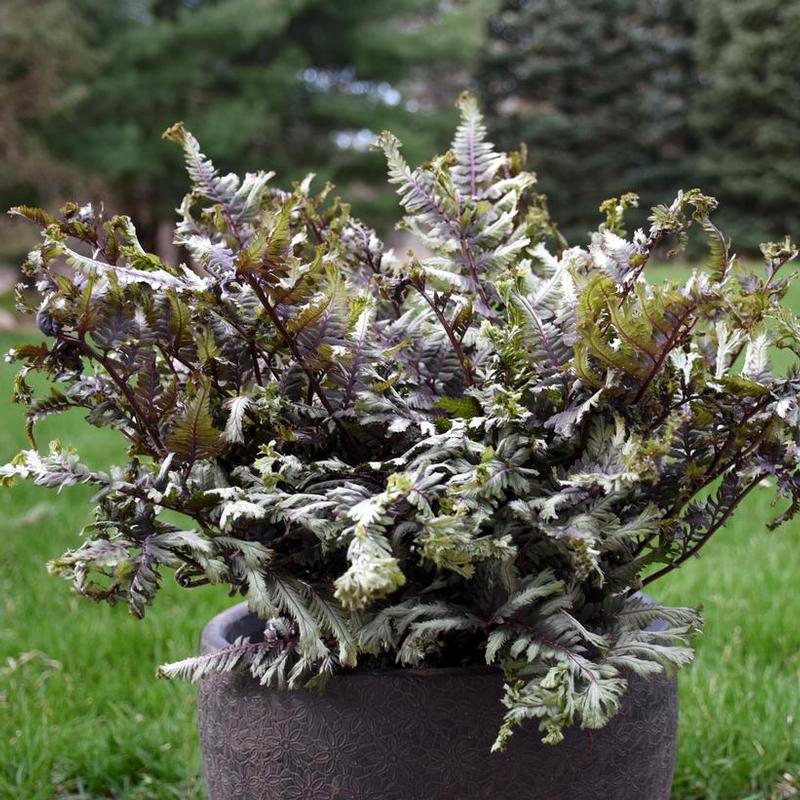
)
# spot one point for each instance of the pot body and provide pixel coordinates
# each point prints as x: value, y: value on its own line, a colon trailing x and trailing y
x: 418, y: 734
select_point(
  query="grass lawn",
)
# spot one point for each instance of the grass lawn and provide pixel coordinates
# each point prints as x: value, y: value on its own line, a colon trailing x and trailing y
x: 81, y: 715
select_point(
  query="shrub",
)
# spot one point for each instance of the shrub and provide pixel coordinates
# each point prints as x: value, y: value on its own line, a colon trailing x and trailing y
x: 480, y: 455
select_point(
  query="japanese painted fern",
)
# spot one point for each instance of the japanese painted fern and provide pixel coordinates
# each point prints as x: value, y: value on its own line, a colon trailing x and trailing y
x: 482, y: 454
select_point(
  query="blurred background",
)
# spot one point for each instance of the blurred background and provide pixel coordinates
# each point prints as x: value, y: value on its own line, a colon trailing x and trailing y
x: 609, y: 95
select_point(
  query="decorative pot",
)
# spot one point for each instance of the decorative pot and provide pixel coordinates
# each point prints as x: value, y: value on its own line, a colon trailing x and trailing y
x: 417, y: 734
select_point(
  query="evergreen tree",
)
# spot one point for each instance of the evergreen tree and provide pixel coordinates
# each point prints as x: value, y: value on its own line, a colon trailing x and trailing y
x: 747, y: 114
x: 42, y: 50
x: 597, y: 89
x: 270, y: 82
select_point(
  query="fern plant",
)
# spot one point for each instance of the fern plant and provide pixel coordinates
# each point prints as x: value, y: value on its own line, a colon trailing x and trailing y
x: 482, y: 455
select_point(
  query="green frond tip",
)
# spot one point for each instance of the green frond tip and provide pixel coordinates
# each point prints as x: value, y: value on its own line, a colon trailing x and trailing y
x: 614, y: 208
x: 386, y: 141
x: 399, y: 171
x: 777, y: 254
x: 468, y: 106
x: 176, y: 133
x: 37, y: 215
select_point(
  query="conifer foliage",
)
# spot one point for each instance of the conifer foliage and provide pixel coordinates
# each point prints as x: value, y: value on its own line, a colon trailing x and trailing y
x: 747, y: 130
x: 600, y: 91
x: 482, y: 455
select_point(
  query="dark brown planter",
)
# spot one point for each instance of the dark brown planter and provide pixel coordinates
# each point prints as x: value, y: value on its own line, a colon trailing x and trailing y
x: 418, y: 734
